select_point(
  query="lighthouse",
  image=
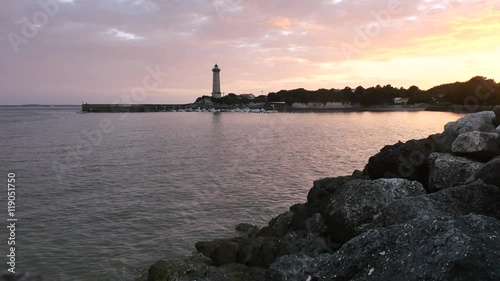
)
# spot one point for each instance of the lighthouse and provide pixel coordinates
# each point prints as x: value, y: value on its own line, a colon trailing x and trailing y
x: 216, y: 83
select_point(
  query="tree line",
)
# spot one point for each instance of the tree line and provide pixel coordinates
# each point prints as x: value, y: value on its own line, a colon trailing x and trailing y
x: 478, y: 89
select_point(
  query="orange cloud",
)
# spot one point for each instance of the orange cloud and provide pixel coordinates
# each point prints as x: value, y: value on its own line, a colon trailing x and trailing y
x: 281, y: 22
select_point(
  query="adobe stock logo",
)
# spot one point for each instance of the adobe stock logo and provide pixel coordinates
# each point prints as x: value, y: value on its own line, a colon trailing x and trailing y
x: 31, y: 27
x: 364, y: 34
x: 224, y: 8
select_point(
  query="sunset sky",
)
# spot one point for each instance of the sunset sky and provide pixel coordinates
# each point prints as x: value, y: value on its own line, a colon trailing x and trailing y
x: 100, y: 51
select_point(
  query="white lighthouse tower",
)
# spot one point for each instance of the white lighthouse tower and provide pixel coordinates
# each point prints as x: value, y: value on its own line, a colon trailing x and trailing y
x: 216, y: 83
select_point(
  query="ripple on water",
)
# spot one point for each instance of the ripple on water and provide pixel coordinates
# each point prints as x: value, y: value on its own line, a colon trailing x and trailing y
x: 160, y: 182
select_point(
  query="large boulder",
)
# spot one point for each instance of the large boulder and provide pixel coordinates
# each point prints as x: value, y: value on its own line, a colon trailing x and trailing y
x: 480, y: 121
x: 490, y: 172
x: 293, y: 268
x: 198, y: 267
x: 446, y: 170
x: 191, y: 268
x: 496, y: 110
x: 449, y: 248
x: 322, y: 189
x: 278, y: 226
x: 234, y: 272
x: 403, y: 160
x: 220, y: 251
x: 353, y: 206
x: 479, y: 145
x: 477, y: 197
x: 263, y: 251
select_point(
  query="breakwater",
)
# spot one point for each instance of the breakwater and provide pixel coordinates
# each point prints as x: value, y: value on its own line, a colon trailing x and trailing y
x: 97, y: 108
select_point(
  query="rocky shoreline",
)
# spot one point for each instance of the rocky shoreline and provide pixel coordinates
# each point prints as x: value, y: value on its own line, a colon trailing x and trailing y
x: 426, y: 209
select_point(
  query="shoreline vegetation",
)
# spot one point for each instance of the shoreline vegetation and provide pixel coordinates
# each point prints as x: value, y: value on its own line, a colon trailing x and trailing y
x: 427, y: 209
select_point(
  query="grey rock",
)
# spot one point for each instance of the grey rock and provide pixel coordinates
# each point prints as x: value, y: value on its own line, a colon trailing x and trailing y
x: 262, y: 251
x: 308, y: 244
x: 191, y: 268
x: 446, y: 170
x: 479, y: 121
x: 220, y: 251
x: 352, y: 207
x: 470, y: 123
x: 322, y: 189
x: 490, y: 172
x: 476, y: 197
x: 291, y: 268
x: 279, y: 225
x: 258, y: 252
x: 316, y: 224
x: 449, y: 248
x: 479, y: 145
x: 199, y: 268
x: 403, y: 160
x: 247, y: 230
x: 498, y: 129
x: 497, y: 115
x: 235, y: 272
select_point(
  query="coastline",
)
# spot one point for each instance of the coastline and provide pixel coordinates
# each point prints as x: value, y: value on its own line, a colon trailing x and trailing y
x: 347, y: 227
x: 140, y: 108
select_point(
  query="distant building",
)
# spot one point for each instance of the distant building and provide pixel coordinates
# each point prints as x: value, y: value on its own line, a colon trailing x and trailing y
x: 216, y: 93
x: 401, y: 100
x: 247, y: 96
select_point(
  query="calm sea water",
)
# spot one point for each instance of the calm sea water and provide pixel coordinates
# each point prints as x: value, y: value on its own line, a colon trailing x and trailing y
x: 101, y: 196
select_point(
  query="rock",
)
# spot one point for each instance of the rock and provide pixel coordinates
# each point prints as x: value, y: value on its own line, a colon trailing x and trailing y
x: 308, y: 244
x: 278, y: 226
x: 220, y: 251
x: 480, y: 121
x: 235, y: 272
x: 447, y: 170
x: 316, y: 225
x: 318, y: 195
x: 449, y: 248
x: 247, y: 230
x: 490, y: 172
x: 191, y: 268
x: 302, y: 213
x: 498, y: 129
x: 258, y: 252
x: 263, y: 251
x: 479, y: 145
x: 478, y: 198
x: 403, y: 160
x: 291, y: 268
x: 198, y: 267
x: 497, y: 115
x: 352, y: 206
x: 20, y: 277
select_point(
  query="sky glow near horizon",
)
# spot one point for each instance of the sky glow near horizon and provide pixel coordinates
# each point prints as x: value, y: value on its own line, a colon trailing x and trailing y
x: 98, y: 51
